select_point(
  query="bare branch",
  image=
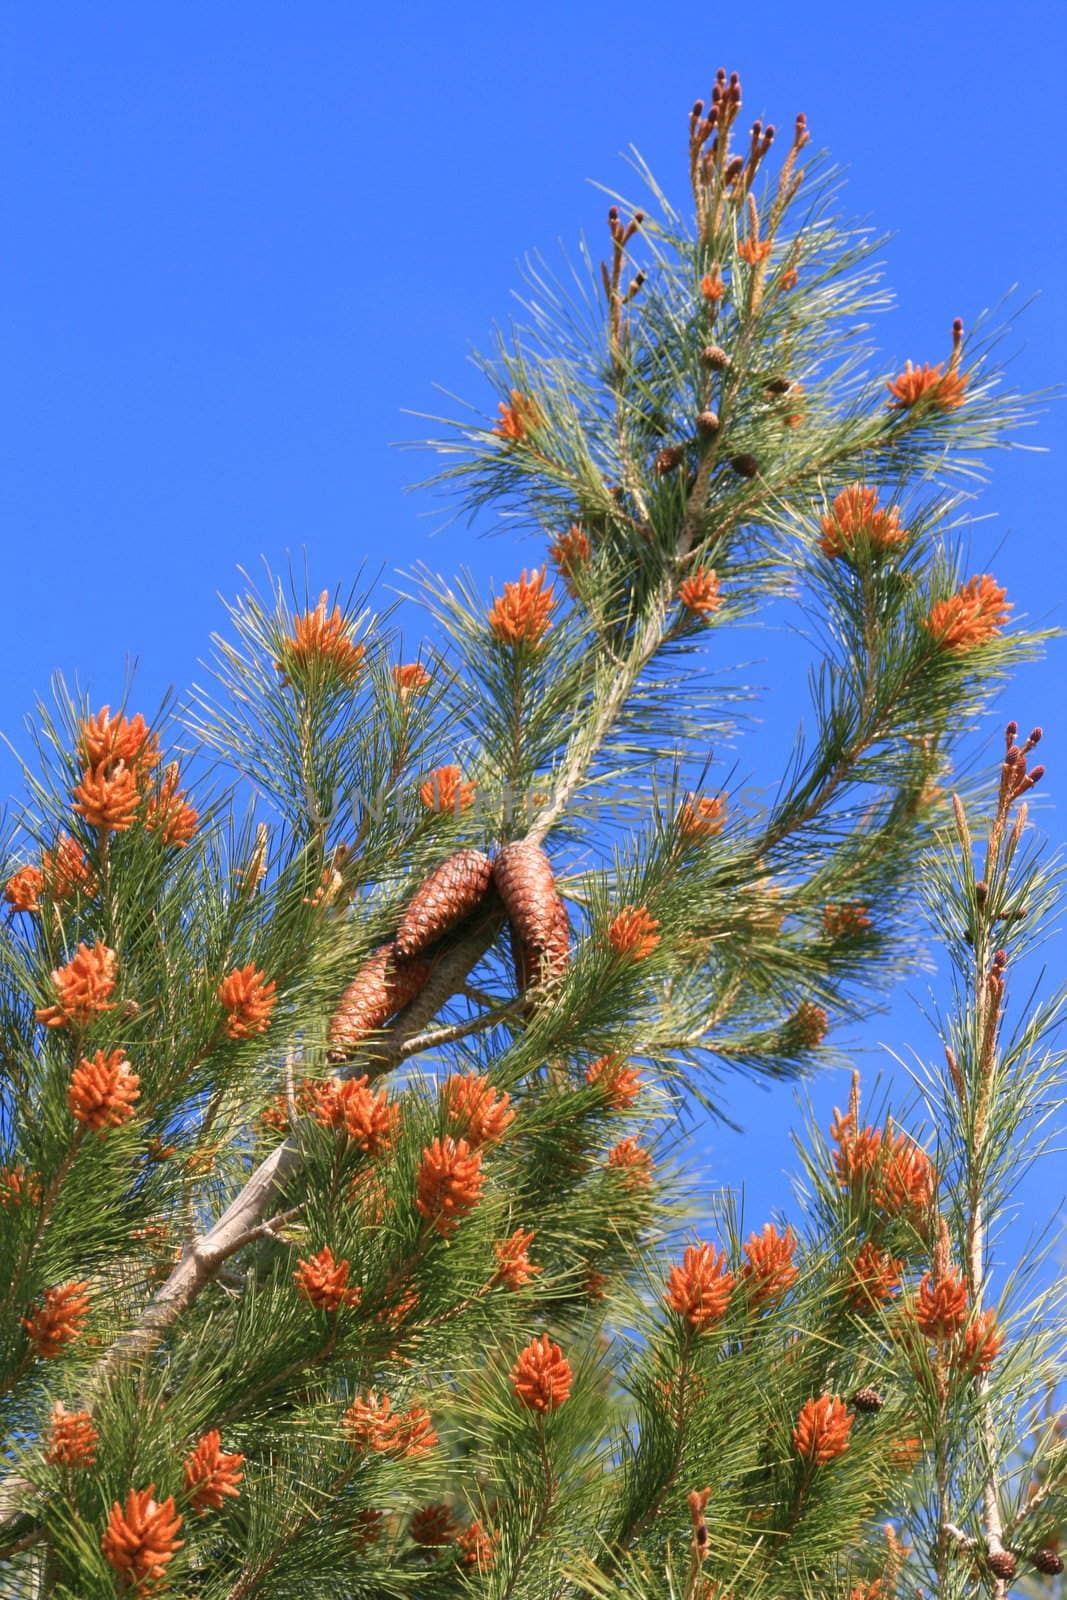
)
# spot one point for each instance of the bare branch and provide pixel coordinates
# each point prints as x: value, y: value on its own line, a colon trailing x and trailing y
x: 461, y: 1030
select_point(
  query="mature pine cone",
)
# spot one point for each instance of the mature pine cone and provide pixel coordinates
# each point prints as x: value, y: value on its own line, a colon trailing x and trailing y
x: 1002, y: 1564
x: 525, y: 961
x: 1050, y: 1562
x: 708, y: 423
x: 557, y: 952
x: 451, y: 892
x: 533, y: 965
x: 383, y: 985
x: 747, y: 466
x: 714, y: 356
x: 867, y: 1399
x: 523, y: 875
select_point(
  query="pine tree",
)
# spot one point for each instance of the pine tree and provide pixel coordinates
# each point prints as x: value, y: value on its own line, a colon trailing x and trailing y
x: 347, y: 1013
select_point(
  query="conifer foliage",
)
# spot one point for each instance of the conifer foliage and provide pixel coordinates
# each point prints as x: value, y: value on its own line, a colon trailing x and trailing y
x: 343, y: 1250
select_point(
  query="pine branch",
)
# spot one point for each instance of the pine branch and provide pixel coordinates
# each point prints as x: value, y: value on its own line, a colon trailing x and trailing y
x: 243, y: 1220
x: 453, y: 1032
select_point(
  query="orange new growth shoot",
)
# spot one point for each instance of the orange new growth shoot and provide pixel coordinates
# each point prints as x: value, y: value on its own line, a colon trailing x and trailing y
x: 570, y: 554
x: 104, y: 741
x: 972, y: 616
x: 632, y: 1163
x: 58, y: 1321
x: 323, y: 641
x: 699, y: 592
x: 941, y: 390
x: 702, y: 817
x: 618, y: 1084
x: 324, y: 1282
x: 700, y: 1288
x: 411, y: 679
x: 514, y: 1267
x: 371, y: 1424
x: 449, y: 1182
x: 364, y: 1113
x: 474, y: 1110
x: 541, y: 1377
x: 103, y: 1091
x: 519, y: 418
x: 822, y: 1429
x: 857, y: 515
x: 23, y: 889
x: 248, y: 1000
x: 210, y: 1474
x: 444, y: 790
x: 71, y: 1439
x: 768, y: 1271
x: 141, y: 1538
x: 521, y: 614
x: 83, y: 988
x: 633, y: 933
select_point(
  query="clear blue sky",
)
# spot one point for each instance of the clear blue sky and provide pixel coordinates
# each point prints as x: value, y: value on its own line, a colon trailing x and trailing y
x: 240, y: 239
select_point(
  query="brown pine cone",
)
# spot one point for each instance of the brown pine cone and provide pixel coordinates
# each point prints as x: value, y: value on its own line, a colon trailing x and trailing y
x: 525, y: 961
x: 557, y: 951
x: 746, y: 466
x: 1002, y: 1564
x: 381, y: 987
x: 451, y: 892
x: 523, y: 875
x: 867, y: 1399
x: 671, y: 456
x: 535, y: 966
x: 1050, y: 1562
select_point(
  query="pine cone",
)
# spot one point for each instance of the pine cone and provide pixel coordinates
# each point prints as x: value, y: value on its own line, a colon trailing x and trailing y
x: 714, y: 356
x: 746, y: 466
x: 558, y: 951
x: 382, y: 986
x: 668, y: 458
x: 451, y: 892
x: 1002, y: 1564
x: 708, y: 423
x: 535, y: 966
x: 867, y: 1399
x: 525, y: 961
x: 523, y: 875
x: 1050, y: 1562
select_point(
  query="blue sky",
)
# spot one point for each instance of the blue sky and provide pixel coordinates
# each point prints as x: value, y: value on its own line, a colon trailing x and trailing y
x: 240, y: 240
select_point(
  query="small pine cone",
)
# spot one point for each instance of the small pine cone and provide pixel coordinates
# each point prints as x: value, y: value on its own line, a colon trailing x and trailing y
x: 1050, y: 1562
x: 867, y: 1399
x: 778, y: 385
x: 382, y: 986
x: 451, y: 892
x: 714, y: 356
x: 524, y: 877
x: 671, y: 456
x: 746, y: 466
x: 1002, y: 1564
x: 708, y: 423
